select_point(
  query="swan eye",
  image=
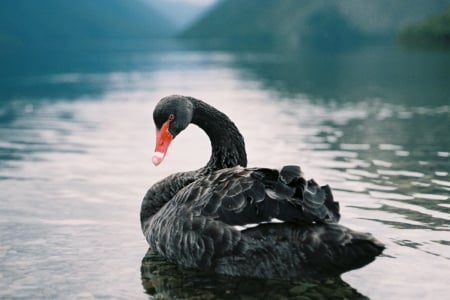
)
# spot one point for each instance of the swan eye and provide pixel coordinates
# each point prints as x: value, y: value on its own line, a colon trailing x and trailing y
x: 171, y: 117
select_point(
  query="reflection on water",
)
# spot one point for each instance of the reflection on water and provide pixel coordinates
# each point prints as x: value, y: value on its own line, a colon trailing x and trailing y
x: 164, y: 280
x: 75, y: 161
x: 359, y: 74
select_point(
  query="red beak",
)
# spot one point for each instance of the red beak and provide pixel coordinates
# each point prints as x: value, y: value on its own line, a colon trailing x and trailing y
x: 163, y: 140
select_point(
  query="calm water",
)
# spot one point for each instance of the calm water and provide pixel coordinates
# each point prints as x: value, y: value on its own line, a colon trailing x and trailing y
x: 75, y: 160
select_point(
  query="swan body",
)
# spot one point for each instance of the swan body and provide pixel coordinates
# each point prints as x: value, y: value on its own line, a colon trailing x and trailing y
x: 255, y: 222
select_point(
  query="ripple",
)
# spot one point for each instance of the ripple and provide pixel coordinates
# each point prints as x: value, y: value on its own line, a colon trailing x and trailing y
x: 354, y: 146
x: 419, y: 209
x: 400, y: 173
x: 363, y: 173
x: 430, y: 196
x: 69, y: 222
x: 394, y: 196
x: 390, y: 147
x: 437, y: 173
x: 441, y: 182
x: 381, y: 163
x: 374, y: 186
x: 336, y: 154
x: 443, y: 154
x: 418, y: 183
x: 402, y: 153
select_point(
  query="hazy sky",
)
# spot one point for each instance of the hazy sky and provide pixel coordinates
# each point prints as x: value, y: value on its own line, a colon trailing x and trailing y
x: 181, y: 12
x: 195, y: 2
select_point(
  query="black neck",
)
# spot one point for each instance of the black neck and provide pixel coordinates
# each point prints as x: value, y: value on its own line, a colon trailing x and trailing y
x: 228, y: 147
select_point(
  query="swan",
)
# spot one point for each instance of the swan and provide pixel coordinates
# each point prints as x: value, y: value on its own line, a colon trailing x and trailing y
x: 239, y: 221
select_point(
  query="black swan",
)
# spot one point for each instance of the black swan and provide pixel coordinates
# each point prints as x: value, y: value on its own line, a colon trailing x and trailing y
x: 233, y: 220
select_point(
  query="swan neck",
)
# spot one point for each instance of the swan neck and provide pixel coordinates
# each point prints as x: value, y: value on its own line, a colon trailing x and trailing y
x: 227, y: 143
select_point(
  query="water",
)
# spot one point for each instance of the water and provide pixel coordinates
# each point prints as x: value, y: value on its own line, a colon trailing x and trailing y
x: 75, y: 160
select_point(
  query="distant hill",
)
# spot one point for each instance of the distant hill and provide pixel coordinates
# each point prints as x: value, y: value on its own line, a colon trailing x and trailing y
x: 432, y: 32
x: 327, y: 22
x: 42, y: 20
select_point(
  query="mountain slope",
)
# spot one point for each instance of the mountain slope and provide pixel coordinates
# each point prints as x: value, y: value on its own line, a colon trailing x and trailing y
x: 40, y: 20
x: 434, y: 31
x: 318, y: 21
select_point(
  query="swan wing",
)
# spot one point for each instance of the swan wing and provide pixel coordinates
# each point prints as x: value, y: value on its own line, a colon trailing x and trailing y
x: 243, y: 196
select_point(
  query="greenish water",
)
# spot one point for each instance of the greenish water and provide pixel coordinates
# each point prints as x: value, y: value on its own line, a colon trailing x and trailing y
x: 75, y: 161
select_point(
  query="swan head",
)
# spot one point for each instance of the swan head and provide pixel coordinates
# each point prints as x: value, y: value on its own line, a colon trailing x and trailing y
x: 171, y: 115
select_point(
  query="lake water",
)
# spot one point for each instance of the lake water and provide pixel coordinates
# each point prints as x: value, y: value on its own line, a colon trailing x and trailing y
x: 76, y: 140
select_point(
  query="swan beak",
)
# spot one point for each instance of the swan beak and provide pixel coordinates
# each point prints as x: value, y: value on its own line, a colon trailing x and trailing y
x: 163, y: 140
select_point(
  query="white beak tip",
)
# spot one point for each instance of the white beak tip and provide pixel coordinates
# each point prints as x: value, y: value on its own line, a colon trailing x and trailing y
x: 157, y: 158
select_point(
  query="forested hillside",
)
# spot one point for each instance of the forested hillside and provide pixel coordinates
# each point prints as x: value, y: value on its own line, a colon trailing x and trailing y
x: 432, y: 32
x: 326, y: 22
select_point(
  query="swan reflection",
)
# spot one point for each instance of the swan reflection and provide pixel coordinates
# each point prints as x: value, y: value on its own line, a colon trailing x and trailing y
x: 165, y: 280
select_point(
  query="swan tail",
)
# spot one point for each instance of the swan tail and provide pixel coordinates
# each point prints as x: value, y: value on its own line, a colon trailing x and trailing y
x: 293, y: 252
x: 321, y: 203
x: 343, y: 249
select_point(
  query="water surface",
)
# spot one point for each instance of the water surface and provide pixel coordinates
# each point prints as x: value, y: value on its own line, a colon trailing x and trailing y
x: 75, y: 161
